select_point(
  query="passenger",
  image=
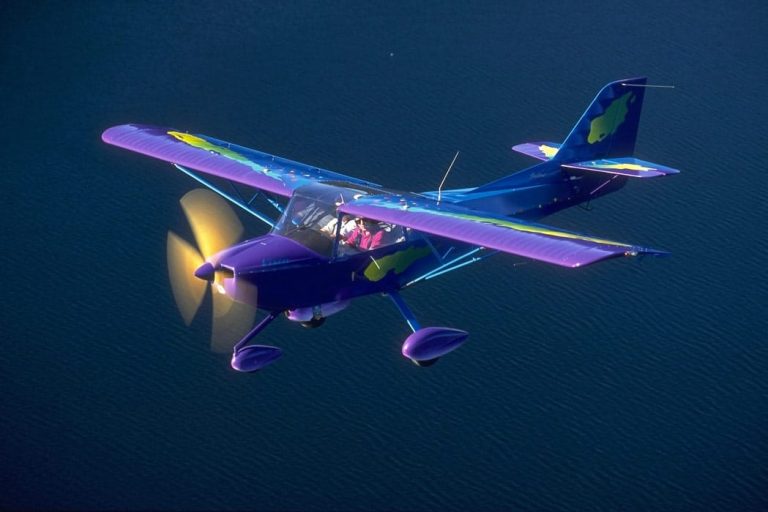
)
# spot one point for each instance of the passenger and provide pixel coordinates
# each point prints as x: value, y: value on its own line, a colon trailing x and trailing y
x: 365, y: 236
x: 329, y: 228
x: 377, y: 236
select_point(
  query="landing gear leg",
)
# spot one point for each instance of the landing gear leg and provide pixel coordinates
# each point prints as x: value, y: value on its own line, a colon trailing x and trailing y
x: 410, y: 319
x: 426, y: 345
x: 405, y: 311
x: 250, y: 358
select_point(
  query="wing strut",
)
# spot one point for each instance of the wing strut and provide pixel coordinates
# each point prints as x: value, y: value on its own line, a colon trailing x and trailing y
x: 234, y: 200
x: 454, y: 264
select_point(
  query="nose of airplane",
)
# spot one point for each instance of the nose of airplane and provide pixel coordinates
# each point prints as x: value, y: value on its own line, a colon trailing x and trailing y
x: 266, y: 252
x: 205, y: 271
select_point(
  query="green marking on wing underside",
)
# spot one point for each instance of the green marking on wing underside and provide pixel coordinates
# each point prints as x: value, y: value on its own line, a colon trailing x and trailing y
x: 607, y: 124
x: 548, y: 151
x: 200, y: 143
x: 625, y: 166
x: 539, y: 230
x: 398, y: 262
x: 510, y: 224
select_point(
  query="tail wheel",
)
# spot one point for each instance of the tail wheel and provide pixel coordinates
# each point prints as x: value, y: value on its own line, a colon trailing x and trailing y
x: 314, y: 323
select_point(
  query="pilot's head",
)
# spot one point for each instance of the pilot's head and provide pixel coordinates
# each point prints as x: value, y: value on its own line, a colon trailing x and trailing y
x: 368, y: 224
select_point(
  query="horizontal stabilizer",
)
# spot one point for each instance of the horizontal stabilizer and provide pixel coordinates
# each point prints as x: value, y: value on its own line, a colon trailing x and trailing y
x: 485, y: 229
x: 538, y: 150
x: 625, y: 166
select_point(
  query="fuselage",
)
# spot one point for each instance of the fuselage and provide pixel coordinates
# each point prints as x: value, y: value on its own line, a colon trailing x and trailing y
x: 304, y: 261
x: 288, y: 275
x: 536, y: 192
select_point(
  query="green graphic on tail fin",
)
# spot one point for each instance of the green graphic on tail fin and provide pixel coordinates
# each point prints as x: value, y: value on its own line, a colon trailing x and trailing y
x: 608, y: 128
x: 607, y: 124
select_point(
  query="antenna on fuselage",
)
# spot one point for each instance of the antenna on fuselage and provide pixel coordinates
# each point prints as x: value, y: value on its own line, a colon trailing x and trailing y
x: 655, y: 86
x: 440, y: 188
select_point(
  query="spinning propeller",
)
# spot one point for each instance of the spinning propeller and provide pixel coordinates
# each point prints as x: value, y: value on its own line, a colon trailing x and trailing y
x: 215, y: 227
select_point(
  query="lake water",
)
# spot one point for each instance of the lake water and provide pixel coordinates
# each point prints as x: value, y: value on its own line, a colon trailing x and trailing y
x: 622, y: 386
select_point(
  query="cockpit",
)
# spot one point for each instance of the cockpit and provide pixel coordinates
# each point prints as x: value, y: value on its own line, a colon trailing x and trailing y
x: 311, y: 218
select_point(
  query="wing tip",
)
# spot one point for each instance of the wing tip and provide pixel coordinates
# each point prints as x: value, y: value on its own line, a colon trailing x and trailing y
x: 113, y: 134
x: 631, y: 252
x: 110, y: 134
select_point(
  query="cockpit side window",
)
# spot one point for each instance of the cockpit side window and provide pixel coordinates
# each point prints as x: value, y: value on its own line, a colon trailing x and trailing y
x: 312, y: 219
x: 359, y: 234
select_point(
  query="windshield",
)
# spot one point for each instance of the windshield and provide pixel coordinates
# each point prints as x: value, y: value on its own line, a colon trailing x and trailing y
x: 310, y: 217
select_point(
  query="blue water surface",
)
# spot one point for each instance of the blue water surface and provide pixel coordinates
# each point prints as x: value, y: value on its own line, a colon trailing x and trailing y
x: 622, y: 386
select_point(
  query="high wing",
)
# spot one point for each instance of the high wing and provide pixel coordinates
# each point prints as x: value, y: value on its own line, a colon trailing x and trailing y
x: 219, y: 158
x: 492, y: 231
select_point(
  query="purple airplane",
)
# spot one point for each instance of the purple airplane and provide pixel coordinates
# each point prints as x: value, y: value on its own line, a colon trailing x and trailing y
x: 336, y: 237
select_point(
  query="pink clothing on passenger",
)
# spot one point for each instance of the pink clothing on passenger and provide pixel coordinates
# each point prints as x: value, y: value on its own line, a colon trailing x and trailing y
x: 364, y: 239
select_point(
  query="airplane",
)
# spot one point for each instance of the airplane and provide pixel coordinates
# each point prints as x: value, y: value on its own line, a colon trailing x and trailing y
x: 334, y: 238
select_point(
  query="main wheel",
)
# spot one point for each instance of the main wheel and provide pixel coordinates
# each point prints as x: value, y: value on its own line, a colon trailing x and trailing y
x: 314, y: 323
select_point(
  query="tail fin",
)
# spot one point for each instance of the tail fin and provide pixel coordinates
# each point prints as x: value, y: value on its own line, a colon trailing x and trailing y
x: 608, y: 128
x: 602, y: 141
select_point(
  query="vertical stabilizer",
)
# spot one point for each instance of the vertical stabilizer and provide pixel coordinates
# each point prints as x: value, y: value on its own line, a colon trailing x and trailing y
x: 608, y: 128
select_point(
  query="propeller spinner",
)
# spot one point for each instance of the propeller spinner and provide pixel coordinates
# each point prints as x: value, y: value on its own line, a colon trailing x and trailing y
x: 191, y: 270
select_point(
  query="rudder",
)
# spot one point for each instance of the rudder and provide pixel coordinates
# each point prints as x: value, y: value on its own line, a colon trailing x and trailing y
x: 608, y: 128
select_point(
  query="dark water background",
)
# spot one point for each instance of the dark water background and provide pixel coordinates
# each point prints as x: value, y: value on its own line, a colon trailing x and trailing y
x: 622, y: 386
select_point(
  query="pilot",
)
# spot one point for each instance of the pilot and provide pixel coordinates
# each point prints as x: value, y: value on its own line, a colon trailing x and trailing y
x: 365, y: 236
x: 347, y: 226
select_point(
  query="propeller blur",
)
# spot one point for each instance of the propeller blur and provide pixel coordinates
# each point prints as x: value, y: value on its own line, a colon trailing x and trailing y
x: 215, y: 227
